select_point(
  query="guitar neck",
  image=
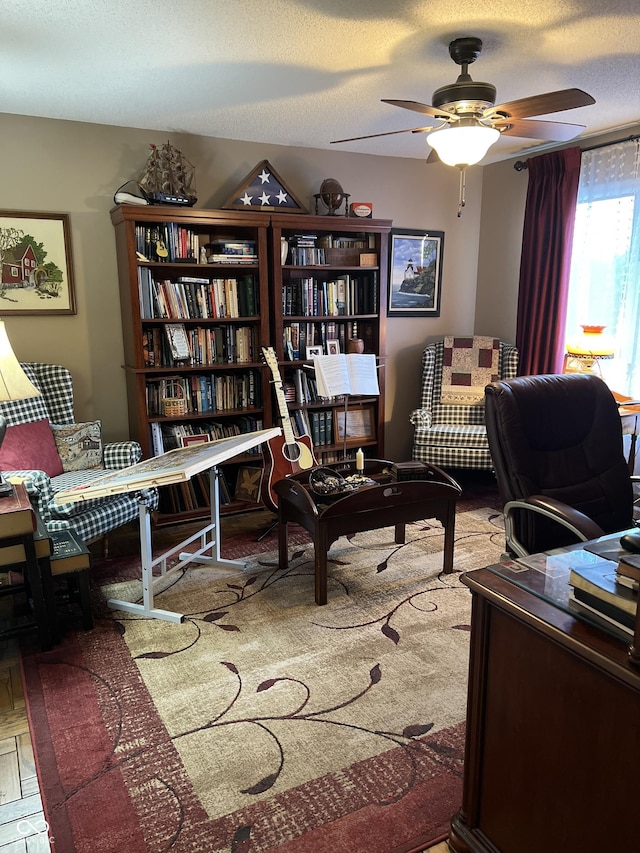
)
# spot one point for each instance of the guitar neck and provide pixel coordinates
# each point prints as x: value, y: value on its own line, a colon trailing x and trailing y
x: 272, y: 362
x: 287, y: 429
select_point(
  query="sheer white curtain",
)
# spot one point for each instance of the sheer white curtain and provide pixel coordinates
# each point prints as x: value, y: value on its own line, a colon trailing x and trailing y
x: 604, y: 285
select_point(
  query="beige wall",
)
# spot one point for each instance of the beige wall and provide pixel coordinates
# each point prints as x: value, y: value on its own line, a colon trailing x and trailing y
x: 50, y: 165
x: 503, y: 198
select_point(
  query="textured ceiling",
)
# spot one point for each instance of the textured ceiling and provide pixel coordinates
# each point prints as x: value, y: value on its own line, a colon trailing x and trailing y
x: 305, y: 72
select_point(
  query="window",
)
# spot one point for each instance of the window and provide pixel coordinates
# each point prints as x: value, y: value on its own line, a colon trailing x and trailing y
x: 604, y: 285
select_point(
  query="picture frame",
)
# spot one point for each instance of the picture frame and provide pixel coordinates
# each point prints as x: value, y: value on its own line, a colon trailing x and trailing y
x: 191, y: 440
x: 316, y: 349
x: 249, y: 484
x: 360, y: 424
x: 178, y: 341
x: 36, y: 264
x: 415, y: 272
x: 333, y: 347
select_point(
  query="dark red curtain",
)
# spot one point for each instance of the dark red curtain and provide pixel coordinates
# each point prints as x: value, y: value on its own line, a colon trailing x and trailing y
x: 546, y: 256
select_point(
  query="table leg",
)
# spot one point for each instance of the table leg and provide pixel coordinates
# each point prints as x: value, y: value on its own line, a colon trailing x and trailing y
x: 449, y: 538
x: 632, y: 448
x: 400, y: 533
x: 283, y: 545
x: 321, y: 546
x: 43, y: 616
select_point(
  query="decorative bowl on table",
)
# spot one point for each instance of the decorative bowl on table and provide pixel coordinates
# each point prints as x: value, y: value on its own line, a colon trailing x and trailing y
x: 326, y: 483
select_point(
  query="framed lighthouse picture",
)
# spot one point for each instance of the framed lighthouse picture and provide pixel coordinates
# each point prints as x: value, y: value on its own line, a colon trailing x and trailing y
x: 415, y: 273
x: 36, y: 265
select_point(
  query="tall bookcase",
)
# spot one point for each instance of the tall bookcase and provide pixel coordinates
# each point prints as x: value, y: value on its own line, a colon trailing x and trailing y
x: 329, y: 282
x: 175, y: 301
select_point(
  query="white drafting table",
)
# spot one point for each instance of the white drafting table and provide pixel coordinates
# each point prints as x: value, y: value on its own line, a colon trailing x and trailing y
x: 175, y: 466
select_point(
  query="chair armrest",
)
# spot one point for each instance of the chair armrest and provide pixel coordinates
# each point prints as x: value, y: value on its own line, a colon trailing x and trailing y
x: 121, y: 454
x: 583, y: 527
x: 38, y: 486
x: 421, y: 418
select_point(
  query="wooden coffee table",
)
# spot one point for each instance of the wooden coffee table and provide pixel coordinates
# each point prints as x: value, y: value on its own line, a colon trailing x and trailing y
x: 369, y: 508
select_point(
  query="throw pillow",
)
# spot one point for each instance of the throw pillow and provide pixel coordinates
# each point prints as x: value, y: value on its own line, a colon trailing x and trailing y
x: 30, y: 447
x: 79, y: 445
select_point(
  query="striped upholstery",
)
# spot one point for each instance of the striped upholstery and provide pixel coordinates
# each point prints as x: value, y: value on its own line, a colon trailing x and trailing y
x: 88, y: 519
x: 453, y: 436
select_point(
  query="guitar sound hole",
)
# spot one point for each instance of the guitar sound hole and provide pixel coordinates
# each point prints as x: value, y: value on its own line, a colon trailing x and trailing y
x: 291, y: 452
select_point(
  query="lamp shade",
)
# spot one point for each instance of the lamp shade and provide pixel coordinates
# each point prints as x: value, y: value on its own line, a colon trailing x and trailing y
x: 585, y: 351
x: 462, y: 144
x: 14, y: 384
x: 591, y: 343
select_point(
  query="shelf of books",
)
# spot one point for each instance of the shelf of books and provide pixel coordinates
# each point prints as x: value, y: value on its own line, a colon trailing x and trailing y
x: 329, y: 296
x: 194, y: 300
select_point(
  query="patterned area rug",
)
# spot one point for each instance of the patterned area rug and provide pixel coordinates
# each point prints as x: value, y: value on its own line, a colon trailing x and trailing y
x: 263, y: 722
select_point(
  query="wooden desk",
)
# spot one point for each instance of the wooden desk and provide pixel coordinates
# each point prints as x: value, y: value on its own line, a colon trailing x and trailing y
x: 370, y: 508
x: 553, y: 728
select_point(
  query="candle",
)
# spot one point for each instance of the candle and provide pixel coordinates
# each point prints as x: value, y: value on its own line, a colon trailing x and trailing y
x: 359, y: 460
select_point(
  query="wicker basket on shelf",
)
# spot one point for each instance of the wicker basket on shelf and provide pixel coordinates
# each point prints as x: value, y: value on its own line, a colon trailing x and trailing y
x: 174, y: 404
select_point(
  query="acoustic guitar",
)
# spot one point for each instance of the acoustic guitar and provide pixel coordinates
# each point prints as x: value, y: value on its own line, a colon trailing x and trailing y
x: 286, y: 454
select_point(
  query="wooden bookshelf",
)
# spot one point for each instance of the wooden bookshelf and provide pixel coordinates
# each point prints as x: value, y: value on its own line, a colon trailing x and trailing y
x: 330, y: 286
x: 166, y: 280
x: 222, y: 310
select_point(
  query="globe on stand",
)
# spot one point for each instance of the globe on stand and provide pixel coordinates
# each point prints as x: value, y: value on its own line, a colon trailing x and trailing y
x: 332, y: 196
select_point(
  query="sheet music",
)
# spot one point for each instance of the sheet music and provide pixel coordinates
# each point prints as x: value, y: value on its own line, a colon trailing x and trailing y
x: 354, y: 373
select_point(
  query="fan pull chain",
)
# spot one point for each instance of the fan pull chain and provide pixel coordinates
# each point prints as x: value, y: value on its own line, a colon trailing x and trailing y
x: 461, y: 201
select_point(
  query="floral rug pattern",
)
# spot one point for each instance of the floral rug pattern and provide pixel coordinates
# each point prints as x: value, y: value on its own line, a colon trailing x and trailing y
x: 264, y: 722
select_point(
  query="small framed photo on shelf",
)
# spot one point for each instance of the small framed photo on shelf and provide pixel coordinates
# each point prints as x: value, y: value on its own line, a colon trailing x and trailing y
x: 333, y: 347
x: 37, y: 269
x: 192, y: 440
x: 359, y: 422
x: 314, y: 350
x: 178, y: 341
x: 249, y: 484
x: 415, y: 273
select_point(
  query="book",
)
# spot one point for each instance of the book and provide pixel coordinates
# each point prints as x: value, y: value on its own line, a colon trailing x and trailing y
x: 68, y: 553
x: 628, y: 582
x: 156, y: 438
x: 624, y: 570
x: 629, y: 565
x: 352, y: 373
x: 600, y: 618
x: 16, y: 513
x: 598, y: 580
x: 16, y: 554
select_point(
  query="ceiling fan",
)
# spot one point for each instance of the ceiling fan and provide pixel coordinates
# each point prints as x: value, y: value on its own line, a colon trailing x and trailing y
x: 469, y: 108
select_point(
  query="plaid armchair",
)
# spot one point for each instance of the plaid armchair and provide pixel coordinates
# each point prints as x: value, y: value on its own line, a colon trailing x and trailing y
x: 453, y: 436
x: 89, y: 519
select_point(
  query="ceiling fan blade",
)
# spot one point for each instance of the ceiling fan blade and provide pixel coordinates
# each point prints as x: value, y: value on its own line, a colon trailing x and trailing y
x: 426, y: 110
x: 538, y: 105
x: 387, y: 133
x: 554, y: 131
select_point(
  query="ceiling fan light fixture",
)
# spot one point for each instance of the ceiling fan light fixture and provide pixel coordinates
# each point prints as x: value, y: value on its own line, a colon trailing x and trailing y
x: 462, y: 145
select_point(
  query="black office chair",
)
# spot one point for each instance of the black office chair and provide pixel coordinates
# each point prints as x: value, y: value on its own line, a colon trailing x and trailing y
x: 556, y: 446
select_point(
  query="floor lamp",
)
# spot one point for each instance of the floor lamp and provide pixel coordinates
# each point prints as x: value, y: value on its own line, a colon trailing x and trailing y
x: 14, y: 385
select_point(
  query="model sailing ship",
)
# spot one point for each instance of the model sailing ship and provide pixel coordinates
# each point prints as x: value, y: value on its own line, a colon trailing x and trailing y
x: 168, y: 177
